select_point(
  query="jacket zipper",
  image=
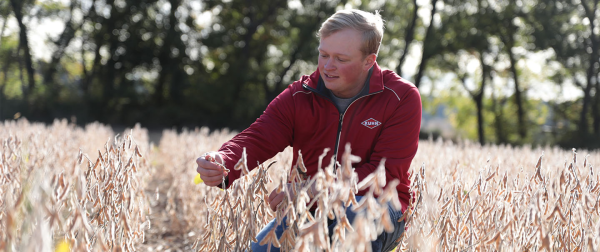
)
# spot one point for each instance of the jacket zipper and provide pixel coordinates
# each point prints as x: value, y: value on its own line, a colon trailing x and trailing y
x: 340, y: 124
x: 341, y: 120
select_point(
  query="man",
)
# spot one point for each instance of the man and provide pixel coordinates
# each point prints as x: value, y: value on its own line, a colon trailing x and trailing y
x: 349, y: 99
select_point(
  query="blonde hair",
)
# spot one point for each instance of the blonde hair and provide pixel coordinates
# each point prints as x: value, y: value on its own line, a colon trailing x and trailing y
x: 371, y: 26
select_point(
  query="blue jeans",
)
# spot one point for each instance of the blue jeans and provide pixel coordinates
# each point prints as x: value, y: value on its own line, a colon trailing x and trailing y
x: 384, y: 242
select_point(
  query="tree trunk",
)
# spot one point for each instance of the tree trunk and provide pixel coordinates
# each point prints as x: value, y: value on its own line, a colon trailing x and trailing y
x: 596, y: 107
x: 425, y: 55
x: 408, y: 37
x: 62, y: 43
x: 95, y: 67
x: 87, y: 75
x: 21, y: 78
x: 108, y: 76
x: 24, y: 43
x: 591, y: 74
x: 478, y: 97
x: 3, y: 86
x: 518, y: 93
x: 179, y: 78
x: 165, y: 57
x: 497, y: 108
x: 507, y: 32
x: 583, y: 126
x: 479, y: 104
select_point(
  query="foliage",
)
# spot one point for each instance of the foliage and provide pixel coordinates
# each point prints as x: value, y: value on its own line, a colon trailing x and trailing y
x: 177, y: 63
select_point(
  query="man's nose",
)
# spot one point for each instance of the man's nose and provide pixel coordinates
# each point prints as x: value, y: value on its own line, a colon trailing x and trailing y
x: 329, y: 64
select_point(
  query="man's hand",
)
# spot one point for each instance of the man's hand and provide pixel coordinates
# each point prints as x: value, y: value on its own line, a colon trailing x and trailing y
x: 211, y: 169
x: 276, y: 198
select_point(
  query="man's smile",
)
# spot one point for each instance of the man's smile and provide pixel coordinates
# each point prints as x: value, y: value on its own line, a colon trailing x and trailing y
x: 330, y: 76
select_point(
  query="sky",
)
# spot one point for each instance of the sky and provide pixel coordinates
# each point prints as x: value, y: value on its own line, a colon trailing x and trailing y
x: 534, y: 64
x: 38, y: 34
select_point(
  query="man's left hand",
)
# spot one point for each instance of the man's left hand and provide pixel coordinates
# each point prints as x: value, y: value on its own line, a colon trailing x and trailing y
x: 276, y: 198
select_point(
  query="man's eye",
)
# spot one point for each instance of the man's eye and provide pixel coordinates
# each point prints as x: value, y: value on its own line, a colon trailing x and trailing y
x: 323, y: 56
x: 342, y: 60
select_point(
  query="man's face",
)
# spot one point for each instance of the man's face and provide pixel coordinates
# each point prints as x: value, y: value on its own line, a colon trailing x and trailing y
x: 342, y: 65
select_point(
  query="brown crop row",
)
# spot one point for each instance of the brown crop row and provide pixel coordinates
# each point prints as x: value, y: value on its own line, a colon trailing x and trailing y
x: 91, y: 190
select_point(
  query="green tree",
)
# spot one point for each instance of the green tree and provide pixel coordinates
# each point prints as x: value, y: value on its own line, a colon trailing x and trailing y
x: 257, y: 49
x: 575, y: 46
x: 467, y: 33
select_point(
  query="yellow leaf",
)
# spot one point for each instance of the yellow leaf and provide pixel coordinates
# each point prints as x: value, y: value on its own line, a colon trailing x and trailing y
x: 198, y: 179
x: 63, y: 246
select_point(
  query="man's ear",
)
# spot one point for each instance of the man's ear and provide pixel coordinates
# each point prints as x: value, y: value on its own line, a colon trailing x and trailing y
x: 370, y: 61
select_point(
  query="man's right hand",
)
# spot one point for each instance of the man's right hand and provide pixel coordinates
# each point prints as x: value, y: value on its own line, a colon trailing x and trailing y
x: 209, y: 169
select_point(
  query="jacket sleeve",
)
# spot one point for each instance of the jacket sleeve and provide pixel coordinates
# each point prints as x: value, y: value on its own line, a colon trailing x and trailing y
x: 271, y: 133
x: 398, y: 144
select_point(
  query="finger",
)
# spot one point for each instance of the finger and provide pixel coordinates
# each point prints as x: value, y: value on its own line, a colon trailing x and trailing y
x: 213, y: 156
x: 209, y: 165
x: 209, y: 172
x: 212, y: 180
x: 273, y: 194
x: 204, y: 160
x: 276, y: 201
x: 200, y: 160
x: 212, y: 183
x: 218, y: 158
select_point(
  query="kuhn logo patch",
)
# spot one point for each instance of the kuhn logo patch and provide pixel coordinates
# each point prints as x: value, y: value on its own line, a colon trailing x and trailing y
x: 371, y: 123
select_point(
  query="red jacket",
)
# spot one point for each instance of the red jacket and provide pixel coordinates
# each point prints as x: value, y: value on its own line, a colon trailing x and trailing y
x: 383, y: 123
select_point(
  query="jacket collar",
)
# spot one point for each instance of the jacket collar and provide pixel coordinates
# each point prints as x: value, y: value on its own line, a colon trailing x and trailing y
x: 375, y: 83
